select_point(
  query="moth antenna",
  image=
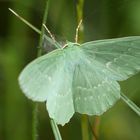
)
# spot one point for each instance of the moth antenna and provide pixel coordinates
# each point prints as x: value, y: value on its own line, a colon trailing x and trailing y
x: 64, y: 46
x: 77, y: 30
x: 49, y: 32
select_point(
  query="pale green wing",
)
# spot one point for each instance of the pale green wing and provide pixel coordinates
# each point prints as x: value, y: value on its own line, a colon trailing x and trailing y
x: 48, y: 79
x: 93, y: 91
x: 36, y: 77
x: 60, y: 100
x: 118, y: 57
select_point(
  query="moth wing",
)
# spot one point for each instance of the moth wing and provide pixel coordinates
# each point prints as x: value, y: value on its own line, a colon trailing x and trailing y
x: 118, y: 57
x: 60, y: 101
x: 93, y: 91
x: 37, y: 76
x: 46, y: 79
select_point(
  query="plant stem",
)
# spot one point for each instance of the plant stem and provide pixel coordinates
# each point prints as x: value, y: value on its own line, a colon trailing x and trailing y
x: 84, y: 118
x: 42, y: 27
x: 131, y: 104
x: 96, y: 127
x: 35, y: 122
x: 92, y: 130
x: 35, y: 110
x: 55, y: 130
x: 84, y: 127
x: 79, y: 9
x: 53, y: 124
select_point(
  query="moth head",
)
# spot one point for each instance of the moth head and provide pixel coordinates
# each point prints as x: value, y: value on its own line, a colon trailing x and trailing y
x: 70, y: 44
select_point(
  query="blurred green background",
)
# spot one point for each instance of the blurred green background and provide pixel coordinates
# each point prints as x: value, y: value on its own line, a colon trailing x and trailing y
x: 18, y: 46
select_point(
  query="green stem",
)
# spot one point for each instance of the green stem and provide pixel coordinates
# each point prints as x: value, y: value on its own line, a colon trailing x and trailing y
x: 53, y: 124
x: 92, y: 130
x: 84, y: 119
x: 84, y: 127
x: 55, y: 130
x: 79, y: 9
x: 35, y: 122
x: 131, y: 104
x: 42, y: 27
x: 35, y: 112
x: 96, y: 127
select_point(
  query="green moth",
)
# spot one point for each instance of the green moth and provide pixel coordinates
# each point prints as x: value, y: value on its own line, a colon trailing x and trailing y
x: 81, y: 77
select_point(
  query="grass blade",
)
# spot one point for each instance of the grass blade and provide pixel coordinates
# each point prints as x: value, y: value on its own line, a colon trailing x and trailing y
x: 55, y: 130
x: 130, y: 103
